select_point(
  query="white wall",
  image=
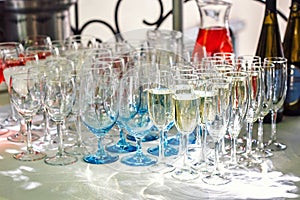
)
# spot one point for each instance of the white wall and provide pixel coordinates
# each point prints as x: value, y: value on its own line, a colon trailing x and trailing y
x: 132, y: 12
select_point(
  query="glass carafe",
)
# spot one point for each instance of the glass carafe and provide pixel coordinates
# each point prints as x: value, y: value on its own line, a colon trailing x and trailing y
x: 214, y: 34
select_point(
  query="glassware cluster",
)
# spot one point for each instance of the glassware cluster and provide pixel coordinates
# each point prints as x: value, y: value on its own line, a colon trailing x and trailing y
x: 95, y: 99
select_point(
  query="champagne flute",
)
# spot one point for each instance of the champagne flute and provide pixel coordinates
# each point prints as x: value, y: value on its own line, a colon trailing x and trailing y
x: 99, y: 109
x: 217, y: 107
x: 239, y: 104
x: 60, y: 94
x: 279, y: 94
x: 267, y: 102
x: 160, y: 107
x: 24, y: 91
x: 186, y: 116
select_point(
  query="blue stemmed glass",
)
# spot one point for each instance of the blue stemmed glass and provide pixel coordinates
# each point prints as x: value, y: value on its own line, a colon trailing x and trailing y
x: 99, y: 108
x: 135, y: 117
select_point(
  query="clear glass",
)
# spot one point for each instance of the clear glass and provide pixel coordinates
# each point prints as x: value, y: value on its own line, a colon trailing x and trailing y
x: 216, y: 110
x: 24, y: 92
x: 60, y: 92
x: 239, y: 103
x: 279, y: 94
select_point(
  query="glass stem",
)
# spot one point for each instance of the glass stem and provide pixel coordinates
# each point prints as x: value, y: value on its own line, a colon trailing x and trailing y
x: 122, y: 142
x: 260, y: 133
x: 60, y: 137
x: 216, y: 165
x: 78, y: 127
x: 100, y: 151
x: 161, y: 147
x: 233, y: 151
x: 29, y: 136
x: 249, y: 138
x: 184, y: 147
x: 273, y: 126
x: 46, y: 123
x: 203, y: 138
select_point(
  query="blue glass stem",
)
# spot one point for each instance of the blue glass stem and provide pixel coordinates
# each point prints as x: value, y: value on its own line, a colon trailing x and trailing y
x: 100, y: 151
x: 122, y: 141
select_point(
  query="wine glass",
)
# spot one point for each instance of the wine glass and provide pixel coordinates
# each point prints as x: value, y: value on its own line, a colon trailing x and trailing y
x: 81, y: 42
x: 15, y: 63
x: 60, y: 94
x: 239, y: 104
x: 217, y: 107
x: 99, y: 109
x: 35, y: 40
x: 117, y: 65
x: 135, y: 116
x: 186, y: 116
x: 279, y: 94
x: 160, y: 108
x: 24, y: 91
x: 5, y: 48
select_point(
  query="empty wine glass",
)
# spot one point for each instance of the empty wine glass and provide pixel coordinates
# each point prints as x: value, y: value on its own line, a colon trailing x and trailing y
x: 186, y: 116
x: 217, y: 107
x: 239, y: 103
x: 279, y: 94
x: 60, y: 94
x: 99, y: 109
x: 135, y: 116
x: 30, y: 40
x: 24, y: 91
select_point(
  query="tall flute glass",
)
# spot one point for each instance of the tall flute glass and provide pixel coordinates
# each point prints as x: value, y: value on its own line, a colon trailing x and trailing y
x: 267, y: 96
x: 60, y: 94
x: 160, y: 106
x: 24, y: 91
x: 99, y: 109
x: 217, y: 108
x: 279, y: 94
x: 239, y: 104
x: 186, y: 115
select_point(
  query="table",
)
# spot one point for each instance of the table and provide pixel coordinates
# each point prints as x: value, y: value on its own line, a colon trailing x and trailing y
x: 32, y: 180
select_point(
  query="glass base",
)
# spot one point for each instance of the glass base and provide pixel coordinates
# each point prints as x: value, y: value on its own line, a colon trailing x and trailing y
x: 61, y: 160
x: 10, y: 121
x: 169, y: 151
x: 95, y: 159
x: 185, y: 174
x: 262, y: 153
x: 149, y: 137
x: 124, y: 148
x: 76, y: 150
x: 276, y: 146
x: 29, y: 156
x: 216, y: 179
x: 138, y: 160
x: 17, y: 136
x: 161, y: 167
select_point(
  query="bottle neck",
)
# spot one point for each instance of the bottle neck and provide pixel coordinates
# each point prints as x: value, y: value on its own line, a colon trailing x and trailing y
x: 271, y: 6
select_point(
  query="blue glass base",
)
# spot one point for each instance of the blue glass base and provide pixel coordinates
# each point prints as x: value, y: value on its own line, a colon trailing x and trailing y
x: 105, y: 159
x: 169, y: 151
x: 138, y: 160
x: 149, y: 137
x: 124, y: 148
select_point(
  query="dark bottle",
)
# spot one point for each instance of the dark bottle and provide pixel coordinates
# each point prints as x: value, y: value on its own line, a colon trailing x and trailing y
x: 291, y: 46
x: 269, y: 43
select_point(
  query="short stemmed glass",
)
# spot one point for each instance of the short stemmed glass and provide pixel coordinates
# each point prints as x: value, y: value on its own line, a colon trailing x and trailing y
x: 24, y: 92
x: 99, y: 109
x: 160, y: 108
x: 60, y: 94
x: 217, y: 107
x: 279, y: 95
x: 239, y: 104
x: 135, y: 116
x: 186, y: 115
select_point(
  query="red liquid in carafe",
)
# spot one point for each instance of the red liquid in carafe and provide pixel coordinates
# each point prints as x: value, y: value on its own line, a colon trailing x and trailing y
x: 214, y: 39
